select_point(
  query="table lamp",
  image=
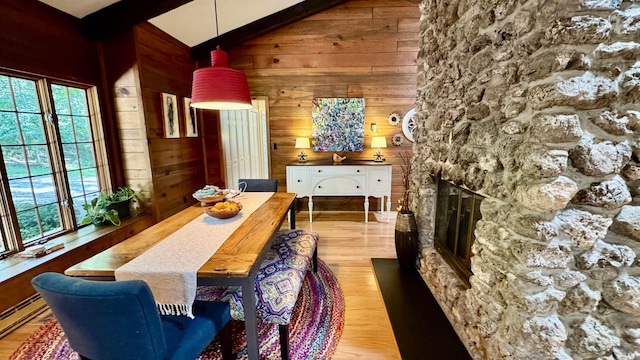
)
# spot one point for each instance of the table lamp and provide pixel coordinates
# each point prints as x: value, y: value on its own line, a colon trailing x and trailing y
x: 302, y: 143
x: 378, y: 142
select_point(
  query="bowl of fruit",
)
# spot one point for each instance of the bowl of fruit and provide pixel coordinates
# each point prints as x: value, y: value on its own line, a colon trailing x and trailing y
x: 224, y: 209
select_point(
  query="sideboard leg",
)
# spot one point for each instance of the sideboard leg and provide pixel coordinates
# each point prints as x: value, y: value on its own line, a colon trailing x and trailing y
x: 310, y: 209
x: 388, y: 207
x: 366, y: 209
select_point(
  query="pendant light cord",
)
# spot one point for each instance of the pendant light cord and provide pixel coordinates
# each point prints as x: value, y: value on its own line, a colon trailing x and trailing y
x: 215, y: 9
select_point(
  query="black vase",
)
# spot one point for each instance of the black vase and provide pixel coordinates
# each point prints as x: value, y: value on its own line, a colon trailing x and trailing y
x: 407, y: 240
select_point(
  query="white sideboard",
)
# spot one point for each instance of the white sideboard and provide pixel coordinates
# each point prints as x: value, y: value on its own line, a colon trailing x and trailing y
x: 367, y: 179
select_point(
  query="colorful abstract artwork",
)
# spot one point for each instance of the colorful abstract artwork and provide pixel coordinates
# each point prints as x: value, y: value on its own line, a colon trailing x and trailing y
x: 338, y: 124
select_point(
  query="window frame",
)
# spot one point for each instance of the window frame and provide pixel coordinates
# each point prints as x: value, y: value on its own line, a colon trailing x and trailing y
x: 10, y: 234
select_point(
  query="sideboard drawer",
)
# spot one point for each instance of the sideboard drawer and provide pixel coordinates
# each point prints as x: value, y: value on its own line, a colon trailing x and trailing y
x: 336, y: 186
x: 298, y: 180
x: 337, y: 170
x: 378, y: 181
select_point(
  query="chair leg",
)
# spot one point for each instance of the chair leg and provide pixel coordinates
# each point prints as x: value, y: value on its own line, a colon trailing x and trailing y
x: 226, y: 342
x: 284, y: 341
x: 315, y: 260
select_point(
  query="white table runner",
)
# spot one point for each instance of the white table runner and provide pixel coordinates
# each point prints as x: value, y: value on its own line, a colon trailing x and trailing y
x: 170, y: 267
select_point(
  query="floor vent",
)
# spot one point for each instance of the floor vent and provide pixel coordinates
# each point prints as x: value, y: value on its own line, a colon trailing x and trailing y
x: 20, y: 314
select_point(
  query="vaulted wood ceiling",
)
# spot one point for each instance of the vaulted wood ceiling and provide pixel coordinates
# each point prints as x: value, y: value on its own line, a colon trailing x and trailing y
x: 124, y: 14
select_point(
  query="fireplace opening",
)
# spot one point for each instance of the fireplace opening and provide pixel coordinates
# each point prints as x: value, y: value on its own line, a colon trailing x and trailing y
x: 457, y: 211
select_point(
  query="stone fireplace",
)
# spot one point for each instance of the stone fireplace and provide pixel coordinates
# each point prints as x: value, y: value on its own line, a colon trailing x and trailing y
x: 535, y: 106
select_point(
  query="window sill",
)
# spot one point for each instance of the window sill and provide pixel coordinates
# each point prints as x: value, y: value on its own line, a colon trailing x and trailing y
x: 78, y: 245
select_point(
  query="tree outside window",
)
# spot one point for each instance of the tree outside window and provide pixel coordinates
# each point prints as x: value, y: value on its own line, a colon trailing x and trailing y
x: 48, y: 164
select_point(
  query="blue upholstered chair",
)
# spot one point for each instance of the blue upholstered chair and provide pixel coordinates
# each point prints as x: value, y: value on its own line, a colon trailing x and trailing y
x: 258, y: 185
x: 119, y: 320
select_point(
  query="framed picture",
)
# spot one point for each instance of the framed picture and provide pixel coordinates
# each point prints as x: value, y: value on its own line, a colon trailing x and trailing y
x: 170, y: 116
x: 190, y: 119
x: 338, y: 124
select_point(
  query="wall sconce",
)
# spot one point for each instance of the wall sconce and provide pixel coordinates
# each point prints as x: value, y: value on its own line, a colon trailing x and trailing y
x: 374, y: 127
x: 302, y: 143
x: 378, y: 142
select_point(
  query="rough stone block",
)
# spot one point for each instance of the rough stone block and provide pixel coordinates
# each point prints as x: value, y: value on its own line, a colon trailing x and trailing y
x: 627, y: 222
x: 546, y: 197
x: 535, y: 255
x: 588, y: 91
x: 591, y: 338
x: 556, y: 128
x: 604, y: 255
x: 609, y: 194
x: 582, y: 227
x: 594, y: 157
x: 579, y: 298
x: 610, y: 122
x: 540, y: 162
x: 623, y: 294
x: 587, y: 29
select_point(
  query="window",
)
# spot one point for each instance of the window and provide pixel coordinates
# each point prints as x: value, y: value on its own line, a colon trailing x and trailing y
x: 49, y: 159
x: 457, y: 211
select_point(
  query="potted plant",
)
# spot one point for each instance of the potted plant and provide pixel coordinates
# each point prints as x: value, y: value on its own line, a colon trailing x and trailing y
x: 406, y: 232
x: 98, y: 214
x: 119, y: 201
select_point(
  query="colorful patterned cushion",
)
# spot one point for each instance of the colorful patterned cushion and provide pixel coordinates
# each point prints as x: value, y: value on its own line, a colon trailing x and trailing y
x: 278, y: 281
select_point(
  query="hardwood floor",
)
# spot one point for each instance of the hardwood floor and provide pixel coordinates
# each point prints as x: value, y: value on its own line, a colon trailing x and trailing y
x: 347, y: 245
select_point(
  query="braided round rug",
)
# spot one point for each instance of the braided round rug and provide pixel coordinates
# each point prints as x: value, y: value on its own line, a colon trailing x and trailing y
x: 314, y: 331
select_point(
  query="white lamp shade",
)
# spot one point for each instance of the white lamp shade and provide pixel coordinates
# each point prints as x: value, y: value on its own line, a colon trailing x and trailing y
x: 379, y: 142
x: 302, y: 143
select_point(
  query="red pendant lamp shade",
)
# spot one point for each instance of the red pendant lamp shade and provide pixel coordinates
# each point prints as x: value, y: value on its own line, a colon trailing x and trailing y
x: 220, y: 87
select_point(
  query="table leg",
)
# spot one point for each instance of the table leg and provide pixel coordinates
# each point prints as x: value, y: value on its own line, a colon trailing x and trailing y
x: 310, y: 209
x: 292, y: 215
x: 250, y: 322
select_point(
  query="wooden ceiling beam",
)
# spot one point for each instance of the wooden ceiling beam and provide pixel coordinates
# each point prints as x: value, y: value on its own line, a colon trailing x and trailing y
x: 123, y: 15
x: 262, y: 26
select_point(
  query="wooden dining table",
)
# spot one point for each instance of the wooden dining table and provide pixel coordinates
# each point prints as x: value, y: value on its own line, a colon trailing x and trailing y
x: 236, y: 261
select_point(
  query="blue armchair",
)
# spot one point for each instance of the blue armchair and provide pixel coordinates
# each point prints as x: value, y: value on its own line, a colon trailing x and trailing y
x: 119, y: 320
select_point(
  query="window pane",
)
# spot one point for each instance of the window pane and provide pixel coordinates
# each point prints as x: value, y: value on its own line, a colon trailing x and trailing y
x: 77, y: 207
x: 50, y: 217
x: 25, y: 95
x: 44, y: 189
x: 65, y: 125
x: 15, y: 162
x: 75, y: 183
x: 71, y: 159
x: 6, y: 100
x: 9, y: 133
x: 75, y: 131
x: 38, y: 160
x: 60, y: 99
x: 22, y: 193
x: 87, y: 158
x: 32, y: 130
x: 82, y: 129
x: 78, y: 99
x: 90, y: 181
x: 28, y: 222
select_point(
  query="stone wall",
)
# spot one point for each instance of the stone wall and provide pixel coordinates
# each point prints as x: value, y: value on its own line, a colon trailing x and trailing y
x: 535, y: 105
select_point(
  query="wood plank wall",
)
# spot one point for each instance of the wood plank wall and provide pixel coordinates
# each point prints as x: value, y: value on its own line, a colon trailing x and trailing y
x: 140, y: 66
x: 177, y: 165
x: 363, y: 48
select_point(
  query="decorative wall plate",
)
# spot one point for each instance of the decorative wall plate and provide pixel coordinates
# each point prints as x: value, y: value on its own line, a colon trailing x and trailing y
x: 394, y: 119
x: 409, y: 124
x: 397, y: 140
